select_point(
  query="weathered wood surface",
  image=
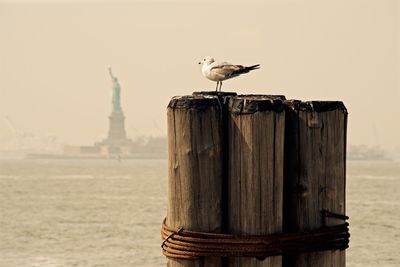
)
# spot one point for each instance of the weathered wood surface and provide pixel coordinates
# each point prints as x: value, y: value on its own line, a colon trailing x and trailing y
x: 195, y: 169
x: 315, y: 150
x: 255, y: 179
x: 223, y: 99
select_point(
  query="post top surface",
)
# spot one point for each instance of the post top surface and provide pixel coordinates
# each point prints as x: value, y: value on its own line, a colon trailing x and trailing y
x: 215, y: 93
x: 193, y: 102
x: 262, y: 97
x: 249, y: 104
x: 316, y: 106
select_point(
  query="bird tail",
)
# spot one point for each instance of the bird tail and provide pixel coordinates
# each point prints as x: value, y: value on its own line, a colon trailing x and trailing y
x: 245, y: 70
x: 254, y: 67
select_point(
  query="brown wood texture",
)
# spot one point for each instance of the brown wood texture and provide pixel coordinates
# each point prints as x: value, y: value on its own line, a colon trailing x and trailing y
x: 315, y: 150
x: 195, y: 169
x: 255, y: 174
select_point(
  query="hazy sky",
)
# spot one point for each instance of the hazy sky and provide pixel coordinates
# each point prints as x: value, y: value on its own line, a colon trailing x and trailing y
x: 54, y: 59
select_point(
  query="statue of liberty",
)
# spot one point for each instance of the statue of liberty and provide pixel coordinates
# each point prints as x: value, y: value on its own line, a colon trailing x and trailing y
x: 116, y: 93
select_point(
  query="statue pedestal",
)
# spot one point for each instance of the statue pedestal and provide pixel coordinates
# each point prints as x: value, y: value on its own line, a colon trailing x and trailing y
x: 117, y: 126
x: 116, y: 141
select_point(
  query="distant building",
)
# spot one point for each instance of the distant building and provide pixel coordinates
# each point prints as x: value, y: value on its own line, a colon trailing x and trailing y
x: 364, y: 152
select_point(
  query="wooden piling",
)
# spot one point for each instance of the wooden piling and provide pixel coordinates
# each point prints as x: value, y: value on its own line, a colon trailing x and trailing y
x: 223, y: 98
x: 255, y: 165
x: 195, y: 169
x: 315, y: 151
x: 255, y: 170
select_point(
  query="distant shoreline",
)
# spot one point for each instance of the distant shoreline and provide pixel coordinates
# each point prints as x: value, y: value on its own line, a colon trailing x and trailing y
x: 111, y: 157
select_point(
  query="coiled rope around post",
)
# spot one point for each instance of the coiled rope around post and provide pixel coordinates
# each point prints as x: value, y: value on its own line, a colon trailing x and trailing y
x: 185, y: 244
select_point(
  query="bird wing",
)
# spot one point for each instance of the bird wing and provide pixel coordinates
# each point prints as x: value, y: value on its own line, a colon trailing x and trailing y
x: 225, y: 69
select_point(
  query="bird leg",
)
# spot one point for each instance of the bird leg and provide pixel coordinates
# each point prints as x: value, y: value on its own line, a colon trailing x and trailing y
x: 220, y: 85
x: 216, y: 88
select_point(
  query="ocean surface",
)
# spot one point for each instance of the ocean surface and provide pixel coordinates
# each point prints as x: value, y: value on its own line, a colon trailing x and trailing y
x: 108, y: 213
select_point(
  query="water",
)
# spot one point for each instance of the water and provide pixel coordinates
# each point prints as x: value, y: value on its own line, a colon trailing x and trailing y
x: 81, y: 213
x: 373, y: 204
x: 108, y: 213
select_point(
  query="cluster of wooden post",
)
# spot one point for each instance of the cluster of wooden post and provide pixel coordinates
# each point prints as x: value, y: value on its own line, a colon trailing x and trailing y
x: 255, y: 165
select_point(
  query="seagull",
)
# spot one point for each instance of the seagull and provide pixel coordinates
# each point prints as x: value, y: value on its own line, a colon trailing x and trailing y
x: 220, y: 71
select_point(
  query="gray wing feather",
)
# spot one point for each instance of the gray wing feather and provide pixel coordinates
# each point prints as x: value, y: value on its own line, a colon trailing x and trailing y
x: 226, y: 69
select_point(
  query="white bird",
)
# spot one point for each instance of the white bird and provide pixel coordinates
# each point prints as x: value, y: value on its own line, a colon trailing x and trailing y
x: 220, y: 71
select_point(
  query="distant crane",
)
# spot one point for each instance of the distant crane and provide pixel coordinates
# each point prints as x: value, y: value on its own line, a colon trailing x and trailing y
x: 20, y: 138
x: 11, y: 125
x: 18, y: 134
x: 29, y: 141
x: 14, y: 131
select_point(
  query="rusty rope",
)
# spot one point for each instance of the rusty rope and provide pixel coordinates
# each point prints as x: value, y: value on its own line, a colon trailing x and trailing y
x: 185, y: 244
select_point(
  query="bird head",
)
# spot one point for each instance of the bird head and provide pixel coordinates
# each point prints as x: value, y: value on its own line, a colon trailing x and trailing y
x: 207, y: 60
